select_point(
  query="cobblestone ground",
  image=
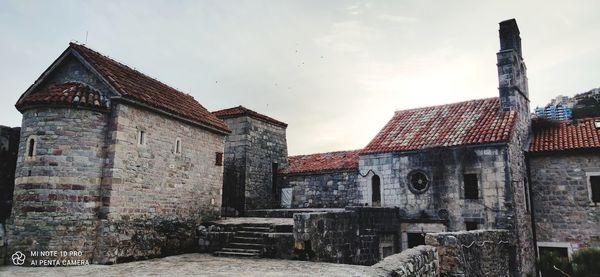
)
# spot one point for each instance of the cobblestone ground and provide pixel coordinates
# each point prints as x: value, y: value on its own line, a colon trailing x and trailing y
x: 199, y: 265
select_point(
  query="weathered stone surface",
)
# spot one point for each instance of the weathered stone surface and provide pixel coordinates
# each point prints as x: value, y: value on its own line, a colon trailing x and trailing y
x: 323, y: 190
x: 153, y: 198
x: 561, y: 198
x: 351, y: 236
x: 475, y: 253
x: 57, y: 191
x: 250, y: 151
x: 418, y: 261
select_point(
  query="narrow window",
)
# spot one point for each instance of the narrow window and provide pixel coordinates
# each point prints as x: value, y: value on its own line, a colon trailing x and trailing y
x: 219, y: 158
x: 470, y: 226
x: 527, y: 197
x: 142, y: 137
x: 375, y: 191
x: 275, y: 169
x: 595, y: 189
x: 178, y: 146
x: 31, y: 147
x: 471, y: 186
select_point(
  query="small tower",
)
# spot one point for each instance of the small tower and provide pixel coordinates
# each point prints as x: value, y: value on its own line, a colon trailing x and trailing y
x: 512, y: 72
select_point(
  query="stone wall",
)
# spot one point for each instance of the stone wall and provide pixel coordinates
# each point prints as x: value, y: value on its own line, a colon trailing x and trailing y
x: 250, y: 151
x: 420, y: 261
x: 57, y: 190
x: 152, y: 197
x: 234, y: 162
x: 444, y: 199
x: 475, y: 253
x: 352, y: 236
x: 267, y: 145
x: 9, y: 148
x: 323, y: 190
x: 561, y: 198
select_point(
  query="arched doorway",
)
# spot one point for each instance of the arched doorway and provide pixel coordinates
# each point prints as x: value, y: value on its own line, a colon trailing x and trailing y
x: 375, y: 191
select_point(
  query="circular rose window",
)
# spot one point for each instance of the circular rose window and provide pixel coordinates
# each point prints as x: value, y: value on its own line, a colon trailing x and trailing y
x: 418, y: 181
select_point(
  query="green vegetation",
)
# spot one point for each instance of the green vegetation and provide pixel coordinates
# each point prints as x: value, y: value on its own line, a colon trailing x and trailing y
x: 584, y: 263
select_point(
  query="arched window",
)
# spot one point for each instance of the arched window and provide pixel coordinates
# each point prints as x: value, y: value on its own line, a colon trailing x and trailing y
x: 376, y: 191
x: 31, y: 147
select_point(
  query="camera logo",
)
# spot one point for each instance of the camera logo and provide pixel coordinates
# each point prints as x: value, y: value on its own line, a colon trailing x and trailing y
x: 18, y: 258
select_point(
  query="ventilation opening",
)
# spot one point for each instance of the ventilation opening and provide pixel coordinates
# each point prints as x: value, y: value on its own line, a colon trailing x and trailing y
x: 376, y: 191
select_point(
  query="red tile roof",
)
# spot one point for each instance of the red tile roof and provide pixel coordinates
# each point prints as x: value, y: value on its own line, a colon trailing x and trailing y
x: 134, y: 85
x: 565, y: 135
x: 470, y: 122
x: 70, y: 93
x: 243, y: 111
x: 322, y: 162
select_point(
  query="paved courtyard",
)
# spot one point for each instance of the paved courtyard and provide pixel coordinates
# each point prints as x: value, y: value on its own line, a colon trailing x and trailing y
x: 199, y: 265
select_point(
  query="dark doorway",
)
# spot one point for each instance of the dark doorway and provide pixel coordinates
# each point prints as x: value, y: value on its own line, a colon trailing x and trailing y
x: 275, y: 169
x: 376, y: 191
x: 415, y: 239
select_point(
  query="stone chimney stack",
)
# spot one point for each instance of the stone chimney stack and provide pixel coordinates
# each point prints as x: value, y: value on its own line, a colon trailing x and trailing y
x: 512, y: 72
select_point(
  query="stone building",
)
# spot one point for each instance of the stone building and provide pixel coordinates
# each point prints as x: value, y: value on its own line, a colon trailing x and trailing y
x: 324, y: 180
x: 452, y: 167
x: 112, y: 163
x: 564, y: 163
x: 255, y: 151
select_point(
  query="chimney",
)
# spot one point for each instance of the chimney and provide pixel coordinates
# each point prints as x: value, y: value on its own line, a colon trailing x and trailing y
x: 512, y: 72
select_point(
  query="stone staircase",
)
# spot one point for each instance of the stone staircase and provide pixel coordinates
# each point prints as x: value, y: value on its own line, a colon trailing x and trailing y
x: 248, y: 241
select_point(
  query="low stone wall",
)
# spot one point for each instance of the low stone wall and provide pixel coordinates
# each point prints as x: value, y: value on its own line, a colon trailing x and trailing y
x: 352, y: 236
x: 475, y: 253
x: 418, y: 261
x: 128, y: 240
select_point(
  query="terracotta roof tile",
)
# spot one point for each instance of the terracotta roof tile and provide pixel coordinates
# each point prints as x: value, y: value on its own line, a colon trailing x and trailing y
x: 470, y: 122
x: 565, y: 135
x: 241, y: 111
x: 134, y: 85
x: 322, y: 162
x: 70, y: 93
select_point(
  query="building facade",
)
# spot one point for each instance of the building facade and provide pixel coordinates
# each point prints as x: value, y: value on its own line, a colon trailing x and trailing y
x: 112, y: 163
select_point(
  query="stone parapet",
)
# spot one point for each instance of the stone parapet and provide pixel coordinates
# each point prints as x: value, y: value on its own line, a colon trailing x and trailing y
x: 418, y: 261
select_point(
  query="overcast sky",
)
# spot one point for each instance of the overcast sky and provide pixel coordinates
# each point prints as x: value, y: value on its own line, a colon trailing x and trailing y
x: 335, y: 71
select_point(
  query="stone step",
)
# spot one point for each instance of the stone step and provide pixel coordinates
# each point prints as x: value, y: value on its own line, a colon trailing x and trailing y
x: 247, y: 239
x: 240, y: 250
x: 243, y: 245
x: 249, y: 234
x: 236, y: 254
x: 256, y: 229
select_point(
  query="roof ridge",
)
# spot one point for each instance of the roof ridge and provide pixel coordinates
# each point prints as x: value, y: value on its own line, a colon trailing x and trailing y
x: 128, y: 67
x: 330, y: 152
x: 448, y: 104
x: 135, y: 86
